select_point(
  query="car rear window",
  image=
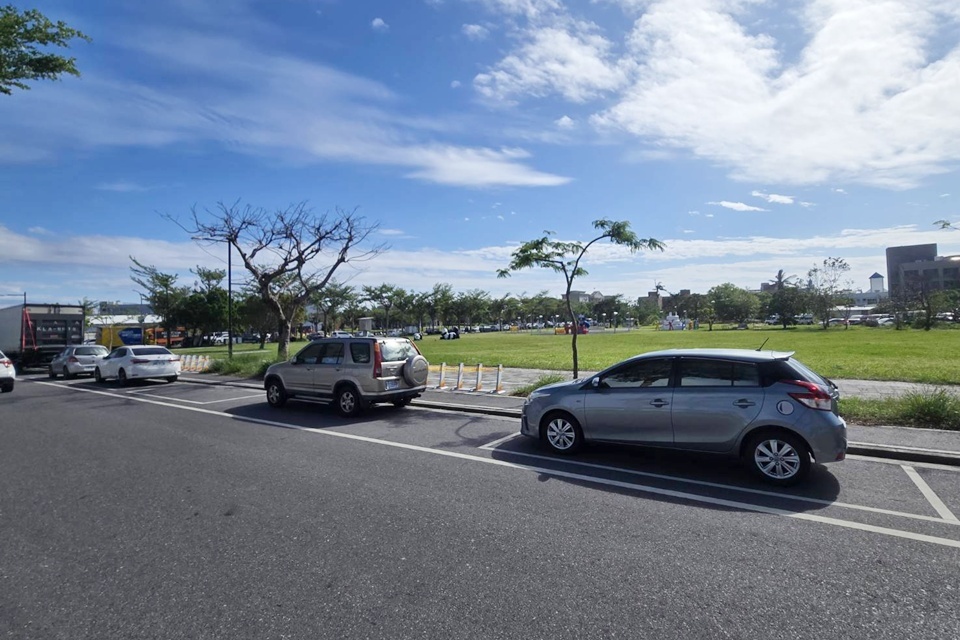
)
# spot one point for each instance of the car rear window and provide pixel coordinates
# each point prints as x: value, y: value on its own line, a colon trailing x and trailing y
x: 396, y: 350
x: 360, y: 352
x: 792, y: 369
x: 151, y: 351
x: 718, y: 373
x: 90, y: 351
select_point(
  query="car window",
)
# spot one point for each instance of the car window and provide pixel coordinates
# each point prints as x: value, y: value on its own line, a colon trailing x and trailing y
x: 332, y: 353
x: 396, y: 350
x: 90, y: 351
x: 717, y: 373
x: 152, y: 351
x: 640, y: 374
x: 310, y: 354
x: 360, y: 352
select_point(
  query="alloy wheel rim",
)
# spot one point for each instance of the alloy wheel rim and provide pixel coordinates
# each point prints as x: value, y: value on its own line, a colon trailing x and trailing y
x: 777, y: 459
x: 560, y: 433
x: 347, y: 402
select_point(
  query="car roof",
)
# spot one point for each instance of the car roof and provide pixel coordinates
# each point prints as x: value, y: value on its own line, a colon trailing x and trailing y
x: 747, y: 355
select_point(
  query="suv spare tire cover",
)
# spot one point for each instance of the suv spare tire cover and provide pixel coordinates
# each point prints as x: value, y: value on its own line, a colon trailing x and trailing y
x: 415, y: 371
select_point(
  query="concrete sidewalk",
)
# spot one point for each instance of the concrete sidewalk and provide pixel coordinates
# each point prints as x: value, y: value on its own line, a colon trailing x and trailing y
x: 900, y: 443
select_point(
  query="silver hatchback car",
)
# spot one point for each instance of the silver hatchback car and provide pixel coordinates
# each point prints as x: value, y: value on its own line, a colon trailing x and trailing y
x: 76, y: 359
x: 352, y: 372
x: 765, y: 407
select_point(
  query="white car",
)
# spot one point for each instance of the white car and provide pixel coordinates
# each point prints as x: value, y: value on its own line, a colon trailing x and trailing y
x: 138, y: 362
x: 8, y: 373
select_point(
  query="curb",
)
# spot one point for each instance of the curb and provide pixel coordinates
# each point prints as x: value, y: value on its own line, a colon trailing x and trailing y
x: 890, y: 452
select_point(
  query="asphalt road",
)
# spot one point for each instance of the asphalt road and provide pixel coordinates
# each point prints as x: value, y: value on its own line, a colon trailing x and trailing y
x: 188, y: 511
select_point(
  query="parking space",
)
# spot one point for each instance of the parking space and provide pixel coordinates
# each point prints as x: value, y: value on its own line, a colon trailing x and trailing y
x: 907, y: 500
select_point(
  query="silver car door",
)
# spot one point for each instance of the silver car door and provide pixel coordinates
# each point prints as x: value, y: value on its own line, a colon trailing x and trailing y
x: 631, y: 403
x: 298, y: 375
x: 327, y: 370
x: 714, y: 401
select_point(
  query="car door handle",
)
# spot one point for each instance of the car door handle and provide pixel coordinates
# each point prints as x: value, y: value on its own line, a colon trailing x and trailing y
x: 743, y: 404
x: 659, y: 403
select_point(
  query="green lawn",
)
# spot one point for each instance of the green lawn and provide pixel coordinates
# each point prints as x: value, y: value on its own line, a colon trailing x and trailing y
x: 867, y: 353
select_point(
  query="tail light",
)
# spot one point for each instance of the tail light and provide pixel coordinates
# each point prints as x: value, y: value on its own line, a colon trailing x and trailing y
x: 7, y: 362
x: 377, y: 361
x: 812, y: 396
x: 73, y: 359
x: 139, y: 361
x: 175, y: 359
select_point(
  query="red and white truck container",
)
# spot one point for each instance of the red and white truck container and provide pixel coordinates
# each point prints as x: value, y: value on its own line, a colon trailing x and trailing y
x: 32, y: 334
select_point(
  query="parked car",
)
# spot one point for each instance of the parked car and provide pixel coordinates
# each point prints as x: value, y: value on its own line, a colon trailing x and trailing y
x: 352, y: 372
x: 805, y: 318
x: 8, y: 374
x: 765, y: 407
x: 136, y: 363
x: 341, y: 334
x: 76, y: 359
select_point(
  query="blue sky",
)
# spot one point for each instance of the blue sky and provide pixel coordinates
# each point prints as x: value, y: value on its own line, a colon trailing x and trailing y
x: 749, y: 136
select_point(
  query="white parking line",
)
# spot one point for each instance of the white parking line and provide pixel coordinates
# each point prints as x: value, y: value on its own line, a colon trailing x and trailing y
x: 196, y: 402
x: 929, y: 494
x: 496, y: 443
x: 682, y: 495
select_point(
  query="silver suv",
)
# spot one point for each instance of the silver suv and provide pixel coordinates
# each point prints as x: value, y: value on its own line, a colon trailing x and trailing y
x: 352, y: 372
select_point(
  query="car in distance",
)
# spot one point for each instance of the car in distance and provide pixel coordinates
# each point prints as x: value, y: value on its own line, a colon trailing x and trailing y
x: 76, y: 359
x: 138, y: 363
x: 8, y: 374
x: 765, y: 407
x: 353, y: 372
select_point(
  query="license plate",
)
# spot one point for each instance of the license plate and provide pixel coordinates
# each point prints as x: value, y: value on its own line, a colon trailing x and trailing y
x: 390, y: 384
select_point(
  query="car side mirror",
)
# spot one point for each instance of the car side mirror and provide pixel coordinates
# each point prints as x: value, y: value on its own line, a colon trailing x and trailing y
x: 595, y: 382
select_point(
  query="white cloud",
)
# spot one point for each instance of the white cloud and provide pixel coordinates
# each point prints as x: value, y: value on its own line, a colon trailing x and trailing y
x: 455, y: 84
x: 570, y: 59
x: 122, y: 187
x: 871, y: 97
x: 843, y: 191
x: 736, y: 206
x: 379, y: 25
x: 944, y: 195
x: 565, y: 122
x: 475, y: 31
x: 773, y: 197
x: 807, y: 205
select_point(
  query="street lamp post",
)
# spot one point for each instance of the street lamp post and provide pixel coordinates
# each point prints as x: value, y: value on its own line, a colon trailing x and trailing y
x: 615, y: 321
x: 603, y: 319
x: 229, y: 289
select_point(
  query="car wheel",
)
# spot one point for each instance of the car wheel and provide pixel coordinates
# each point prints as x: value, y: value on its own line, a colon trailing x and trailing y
x: 402, y: 402
x: 51, y: 372
x: 562, y: 433
x: 68, y: 375
x: 778, y: 457
x: 171, y: 378
x: 415, y: 371
x: 348, y: 401
x: 7, y: 388
x: 276, y: 394
x: 122, y: 378
x: 97, y: 375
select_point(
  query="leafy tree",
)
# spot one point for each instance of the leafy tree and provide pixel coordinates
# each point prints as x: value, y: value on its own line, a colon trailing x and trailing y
x: 330, y: 301
x: 947, y: 301
x: 732, y: 303
x: 385, y: 296
x: 281, y: 248
x: 700, y: 309
x: 162, y: 293
x: 22, y: 36
x: 825, y: 284
x: 788, y: 303
x: 565, y: 258
x: 438, y: 302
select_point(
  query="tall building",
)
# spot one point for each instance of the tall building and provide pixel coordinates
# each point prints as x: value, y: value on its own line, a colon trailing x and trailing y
x: 913, y: 266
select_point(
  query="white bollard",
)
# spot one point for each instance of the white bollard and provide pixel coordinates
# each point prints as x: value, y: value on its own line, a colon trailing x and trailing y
x: 499, y: 386
x: 479, y: 386
x: 443, y: 371
x: 459, y: 377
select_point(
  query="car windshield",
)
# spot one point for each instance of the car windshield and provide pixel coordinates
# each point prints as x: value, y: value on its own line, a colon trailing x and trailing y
x: 151, y: 351
x: 395, y: 350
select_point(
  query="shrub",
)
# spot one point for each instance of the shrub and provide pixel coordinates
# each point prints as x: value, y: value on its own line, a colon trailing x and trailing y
x: 552, y: 378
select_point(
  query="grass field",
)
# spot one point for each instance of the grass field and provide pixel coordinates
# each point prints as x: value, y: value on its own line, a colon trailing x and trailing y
x: 866, y: 353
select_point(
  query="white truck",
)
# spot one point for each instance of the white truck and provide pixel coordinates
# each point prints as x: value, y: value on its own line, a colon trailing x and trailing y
x: 32, y: 334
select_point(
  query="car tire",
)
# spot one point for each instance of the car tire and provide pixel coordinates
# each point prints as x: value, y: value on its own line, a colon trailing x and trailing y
x: 97, y: 375
x: 67, y: 375
x: 561, y: 433
x: 276, y: 394
x: 348, y: 401
x: 171, y: 378
x: 7, y: 388
x: 778, y: 457
x: 122, y: 378
x: 51, y: 373
x: 415, y: 371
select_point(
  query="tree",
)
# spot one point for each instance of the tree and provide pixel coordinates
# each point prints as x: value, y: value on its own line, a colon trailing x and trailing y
x: 825, y: 282
x: 385, y: 296
x: 787, y: 303
x: 165, y: 298
x: 330, y: 300
x: 732, y: 303
x: 565, y: 257
x: 21, y: 58
x: 279, y: 249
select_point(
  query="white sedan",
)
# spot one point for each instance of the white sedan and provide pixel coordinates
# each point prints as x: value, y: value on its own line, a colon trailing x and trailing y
x: 137, y: 362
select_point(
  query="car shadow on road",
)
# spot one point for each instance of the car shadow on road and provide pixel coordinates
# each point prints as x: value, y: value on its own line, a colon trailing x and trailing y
x: 711, y: 480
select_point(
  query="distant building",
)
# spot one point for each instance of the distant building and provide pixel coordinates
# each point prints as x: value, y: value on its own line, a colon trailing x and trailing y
x: 873, y: 296
x: 912, y: 266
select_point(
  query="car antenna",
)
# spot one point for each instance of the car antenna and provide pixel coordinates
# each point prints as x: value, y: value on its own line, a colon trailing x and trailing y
x: 760, y: 348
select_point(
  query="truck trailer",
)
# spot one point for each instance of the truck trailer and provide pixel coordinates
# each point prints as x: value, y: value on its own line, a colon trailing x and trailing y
x: 32, y: 334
